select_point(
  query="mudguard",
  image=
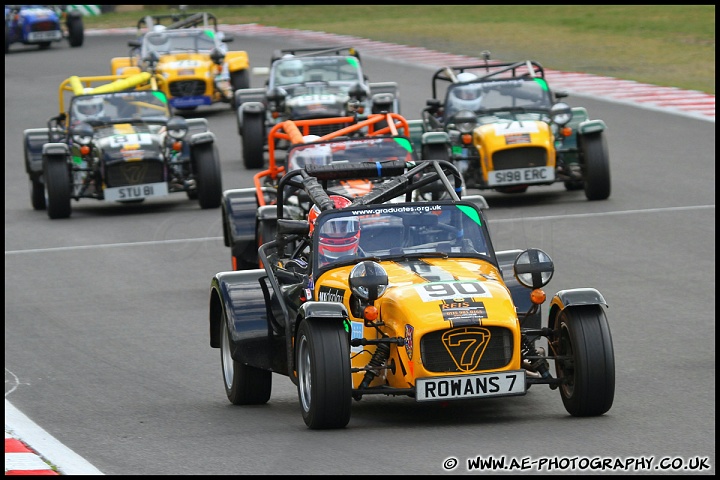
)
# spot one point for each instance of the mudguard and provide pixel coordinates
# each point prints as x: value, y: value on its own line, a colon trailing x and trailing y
x: 247, y: 108
x: 572, y: 298
x: 239, y: 207
x: 55, y: 149
x: 591, y: 126
x: 237, y: 61
x: 202, y: 138
x: 390, y: 88
x: 197, y: 125
x: 429, y: 138
x: 33, y: 141
x: 240, y: 296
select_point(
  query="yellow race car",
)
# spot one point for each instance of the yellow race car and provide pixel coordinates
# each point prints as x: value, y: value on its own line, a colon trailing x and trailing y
x: 191, y: 59
x: 372, y: 297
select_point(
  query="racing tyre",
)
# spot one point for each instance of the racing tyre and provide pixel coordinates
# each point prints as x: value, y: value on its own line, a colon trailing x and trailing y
x: 59, y: 186
x: 239, y: 79
x: 37, y: 194
x: 597, y: 166
x: 586, y: 360
x: 435, y: 190
x: 435, y: 151
x: 515, y: 189
x: 323, y: 369
x: 209, y: 180
x: 7, y: 39
x: 44, y: 45
x: 76, y: 33
x: 244, y: 385
x: 253, y: 141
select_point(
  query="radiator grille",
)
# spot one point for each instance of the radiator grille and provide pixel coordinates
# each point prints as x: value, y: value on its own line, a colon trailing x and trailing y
x: 520, y: 158
x: 134, y: 173
x: 497, y: 354
x: 187, y: 88
x: 45, y: 26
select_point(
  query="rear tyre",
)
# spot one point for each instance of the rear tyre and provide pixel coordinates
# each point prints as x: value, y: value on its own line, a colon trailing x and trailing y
x: 518, y: 189
x: 244, y: 385
x: 209, y: 180
x: 587, y: 360
x: 435, y: 190
x: 37, y: 194
x: 597, y: 166
x: 76, y: 33
x: 238, y: 80
x: 323, y: 368
x: 253, y: 141
x: 58, y: 186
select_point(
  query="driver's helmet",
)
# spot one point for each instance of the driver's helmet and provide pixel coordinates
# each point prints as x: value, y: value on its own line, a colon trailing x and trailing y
x: 315, y: 155
x: 159, y: 41
x: 88, y: 108
x: 290, y: 71
x: 466, y: 97
x: 337, y: 237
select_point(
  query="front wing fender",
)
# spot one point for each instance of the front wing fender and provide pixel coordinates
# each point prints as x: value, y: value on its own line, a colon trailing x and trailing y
x: 237, y: 301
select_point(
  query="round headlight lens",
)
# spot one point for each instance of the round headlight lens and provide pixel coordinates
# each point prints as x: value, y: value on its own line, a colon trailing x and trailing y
x: 561, y: 113
x: 368, y: 280
x: 177, y: 128
x: 82, y: 133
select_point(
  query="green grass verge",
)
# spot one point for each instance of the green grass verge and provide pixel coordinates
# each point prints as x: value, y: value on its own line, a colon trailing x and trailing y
x: 670, y: 46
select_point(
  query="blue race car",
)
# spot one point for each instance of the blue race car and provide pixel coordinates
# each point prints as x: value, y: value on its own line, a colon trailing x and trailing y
x: 41, y: 25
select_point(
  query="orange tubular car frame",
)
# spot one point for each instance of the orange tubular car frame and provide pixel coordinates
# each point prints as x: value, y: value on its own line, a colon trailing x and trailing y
x: 293, y: 131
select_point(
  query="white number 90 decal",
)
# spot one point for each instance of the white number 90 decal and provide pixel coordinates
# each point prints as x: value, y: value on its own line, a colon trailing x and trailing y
x: 448, y: 290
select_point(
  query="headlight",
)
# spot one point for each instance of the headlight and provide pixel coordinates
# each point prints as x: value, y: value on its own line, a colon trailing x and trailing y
x: 177, y: 128
x: 465, y: 121
x: 82, y: 133
x: 560, y: 113
x: 368, y: 280
x: 533, y: 268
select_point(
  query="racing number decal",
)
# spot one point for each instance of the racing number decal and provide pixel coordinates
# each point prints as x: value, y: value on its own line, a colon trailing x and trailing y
x: 466, y: 346
x: 118, y: 141
x: 431, y: 292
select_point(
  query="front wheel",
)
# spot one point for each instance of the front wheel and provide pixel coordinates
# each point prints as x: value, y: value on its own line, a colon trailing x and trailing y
x: 244, y: 385
x: 596, y: 166
x: 76, y: 33
x: 586, y: 360
x: 206, y: 160
x: 253, y: 141
x: 58, y: 186
x: 323, y: 369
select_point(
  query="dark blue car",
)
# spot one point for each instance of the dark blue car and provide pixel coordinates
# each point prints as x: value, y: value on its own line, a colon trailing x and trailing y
x: 41, y: 25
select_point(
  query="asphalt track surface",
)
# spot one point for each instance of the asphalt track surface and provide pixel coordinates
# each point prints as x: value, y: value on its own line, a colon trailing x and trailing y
x: 25, y: 440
